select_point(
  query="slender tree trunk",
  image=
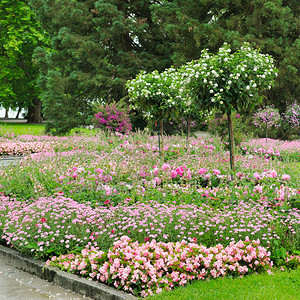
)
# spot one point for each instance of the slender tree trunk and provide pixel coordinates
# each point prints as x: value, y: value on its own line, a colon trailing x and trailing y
x: 18, y: 113
x: 6, y: 113
x: 162, y: 139
x: 35, y: 112
x: 231, y: 143
x: 188, y: 132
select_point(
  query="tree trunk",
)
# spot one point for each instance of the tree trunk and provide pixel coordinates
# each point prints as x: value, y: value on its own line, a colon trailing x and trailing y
x: 18, y: 113
x: 6, y: 113
x: 162, y: 140
x: 188, y: 131
x: 35, y: 112
x: 231, y: 143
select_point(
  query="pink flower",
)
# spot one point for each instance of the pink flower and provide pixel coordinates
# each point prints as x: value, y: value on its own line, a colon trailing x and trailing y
x: 157, y: 180
x: 179, y: 171
x: 216, y: 171
x: 257, y: 176
x: 155, y: 170
x: 106, y: 201
x: 273, y: 173
x: 202, y: 171
x: 174, y: 174
x: 286, y: 177
x: 165, y: 167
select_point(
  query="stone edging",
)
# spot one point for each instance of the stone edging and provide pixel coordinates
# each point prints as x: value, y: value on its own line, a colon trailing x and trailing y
x: 66, y: 280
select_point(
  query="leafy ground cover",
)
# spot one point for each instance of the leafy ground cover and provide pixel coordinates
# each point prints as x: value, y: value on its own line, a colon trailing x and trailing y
x: 108, y: 207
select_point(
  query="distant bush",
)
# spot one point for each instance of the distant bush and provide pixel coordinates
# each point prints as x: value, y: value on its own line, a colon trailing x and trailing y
x: 113, y: 117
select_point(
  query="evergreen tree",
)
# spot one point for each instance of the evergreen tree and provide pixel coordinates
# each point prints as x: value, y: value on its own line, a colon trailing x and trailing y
x: 98, y: 46
x: 20, y: 34
x: 272, y: 26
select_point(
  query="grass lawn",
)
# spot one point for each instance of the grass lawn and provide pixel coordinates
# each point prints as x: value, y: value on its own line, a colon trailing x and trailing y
x: 21, y: 128
x: 281, y: 285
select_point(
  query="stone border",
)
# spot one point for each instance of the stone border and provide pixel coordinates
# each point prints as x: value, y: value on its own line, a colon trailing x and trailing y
x: 66, y: 280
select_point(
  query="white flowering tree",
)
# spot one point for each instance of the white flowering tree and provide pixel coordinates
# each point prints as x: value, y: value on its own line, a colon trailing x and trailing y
x: 229, y: 81
x: 156, y: 95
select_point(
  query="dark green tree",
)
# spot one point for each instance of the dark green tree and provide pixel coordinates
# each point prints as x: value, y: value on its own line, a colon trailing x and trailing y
x: 273, y: 26
x: 20, y: 34
x: 98, y: 46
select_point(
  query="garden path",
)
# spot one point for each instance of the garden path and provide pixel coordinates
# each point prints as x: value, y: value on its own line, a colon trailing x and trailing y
x: 9, y: 160
x: 19, y: 285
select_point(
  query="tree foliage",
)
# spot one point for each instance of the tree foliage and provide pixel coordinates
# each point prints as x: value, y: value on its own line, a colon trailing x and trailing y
x: 272, y: 26
x: 98, y: 46
x: 20, y: 34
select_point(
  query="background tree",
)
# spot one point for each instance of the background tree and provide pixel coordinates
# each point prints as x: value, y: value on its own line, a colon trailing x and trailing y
x: 272, y: 26
x: 98, y: 46
x: 20, y: 34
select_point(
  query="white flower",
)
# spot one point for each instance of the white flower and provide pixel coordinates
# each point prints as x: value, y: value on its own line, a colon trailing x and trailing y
x: 211, y: 91
x: 213, y: 100
x: 247, y: 87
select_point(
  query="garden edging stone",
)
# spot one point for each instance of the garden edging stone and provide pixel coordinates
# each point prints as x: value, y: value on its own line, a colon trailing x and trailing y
x: 72, y: 282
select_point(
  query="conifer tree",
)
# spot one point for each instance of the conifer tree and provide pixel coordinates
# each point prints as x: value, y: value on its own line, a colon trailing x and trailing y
x: 97, y: 47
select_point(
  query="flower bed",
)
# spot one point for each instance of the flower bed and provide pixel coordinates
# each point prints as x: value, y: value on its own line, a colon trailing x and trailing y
x: 107, y: 196
x: 151, y: 267
x: 23, y: 148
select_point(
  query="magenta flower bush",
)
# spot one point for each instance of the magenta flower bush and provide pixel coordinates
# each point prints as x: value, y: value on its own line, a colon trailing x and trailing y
x: 151, y: 267
x: 113, y: 117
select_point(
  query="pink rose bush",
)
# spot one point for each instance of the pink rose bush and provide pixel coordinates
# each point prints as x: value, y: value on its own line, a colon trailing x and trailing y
x: 151, y: 267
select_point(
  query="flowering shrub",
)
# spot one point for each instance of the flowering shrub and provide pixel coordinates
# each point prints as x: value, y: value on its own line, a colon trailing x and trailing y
x: 266, y: 118
x: 113, y: 117
x: 292, y: 115
x: 151, y: 267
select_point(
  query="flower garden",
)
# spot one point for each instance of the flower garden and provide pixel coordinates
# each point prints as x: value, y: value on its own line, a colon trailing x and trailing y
x: 107, y: 207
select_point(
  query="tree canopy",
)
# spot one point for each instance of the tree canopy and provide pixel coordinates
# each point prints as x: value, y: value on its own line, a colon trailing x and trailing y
x: 98, y: 46
x: 20, y: 34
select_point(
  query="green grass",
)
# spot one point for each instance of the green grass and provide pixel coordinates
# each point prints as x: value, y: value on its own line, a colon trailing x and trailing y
x: 21, y: 128
x: 281, y: 285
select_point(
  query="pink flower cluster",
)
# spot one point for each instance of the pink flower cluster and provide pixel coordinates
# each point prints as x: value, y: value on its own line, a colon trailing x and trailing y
x: 21, y: 148
x: 266, y: 152
x: 151, y: 267
x: 267, y: 117
x: 113, y: 118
